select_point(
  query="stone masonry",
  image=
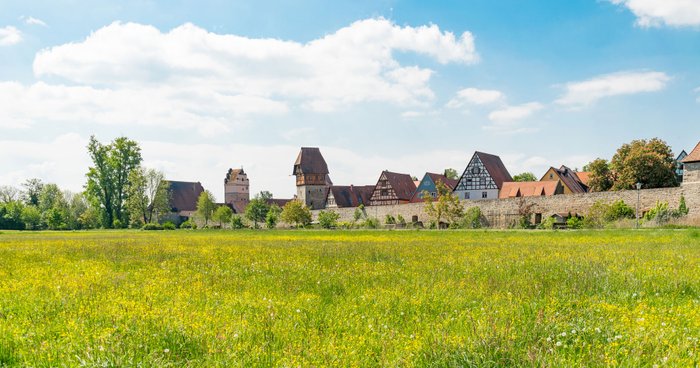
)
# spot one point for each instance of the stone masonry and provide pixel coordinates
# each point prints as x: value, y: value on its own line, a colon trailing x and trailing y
x: 500, y: 213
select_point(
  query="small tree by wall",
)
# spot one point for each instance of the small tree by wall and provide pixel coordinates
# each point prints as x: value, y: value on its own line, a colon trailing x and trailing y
x: 296, y: 213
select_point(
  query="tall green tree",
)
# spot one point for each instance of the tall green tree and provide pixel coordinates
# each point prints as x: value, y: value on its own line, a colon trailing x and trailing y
x: 8, y: 194
x: 206, y: 206
x: 446, y: 207
x: 601, y: 178
x: 53, y: 207
x: 223, y: 215
x: 526, y: 176
x: 649, y: 162
x: 258, y: 207
x: 32, y: 188
x: 148, y: 195
x: 108, y: 177
x: 296, y: 213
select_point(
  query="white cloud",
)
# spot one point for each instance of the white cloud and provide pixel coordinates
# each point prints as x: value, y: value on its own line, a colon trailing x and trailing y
x: 587, y: 92
x: 475, y: 96
x: 355, y: 64
x: 33, y: 21
x: 655, y: 13
x: 10, y: 36
x: 512, y: 114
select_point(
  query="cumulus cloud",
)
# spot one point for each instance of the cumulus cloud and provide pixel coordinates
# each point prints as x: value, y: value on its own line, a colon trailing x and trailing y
x: 475, y: 96
x: 33, y: 21
x: 511, y: 114
x: 354, y: 64
x: 588, y: 92
x: 9, y: 36
x: 655, y: 13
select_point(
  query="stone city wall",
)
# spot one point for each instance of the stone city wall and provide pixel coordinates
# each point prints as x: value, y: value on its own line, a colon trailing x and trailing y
x: 501, y: 213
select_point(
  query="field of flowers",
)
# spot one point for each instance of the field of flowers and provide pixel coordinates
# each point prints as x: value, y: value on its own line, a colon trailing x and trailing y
x: 314, y: 298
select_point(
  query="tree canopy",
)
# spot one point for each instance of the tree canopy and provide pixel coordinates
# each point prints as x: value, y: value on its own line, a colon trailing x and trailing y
x: 526, y: 176
x: 649, y: 162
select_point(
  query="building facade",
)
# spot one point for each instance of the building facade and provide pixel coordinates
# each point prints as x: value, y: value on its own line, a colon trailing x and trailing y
x: 392, y: 188
x: 569, y: 178
x: 429, y: 185
x: 483, y: 177
x: 312, y: 178
x: 237, y: 190
x: 691, y: 167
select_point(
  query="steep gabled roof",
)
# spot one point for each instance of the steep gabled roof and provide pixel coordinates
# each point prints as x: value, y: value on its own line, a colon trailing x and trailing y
x: 451, y: 183
x: 495, y: 167
x: 184, y: 195
x: 350, y: 195
x: 584, y: 176
x: 310, y: 161
x: 512, y: 189
x: 279, y: 202
x: 569, y: 178
x: 694, y: 155
x: 401, y: 183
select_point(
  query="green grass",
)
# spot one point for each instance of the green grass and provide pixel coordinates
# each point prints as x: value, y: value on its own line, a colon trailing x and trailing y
x: 315, y: 298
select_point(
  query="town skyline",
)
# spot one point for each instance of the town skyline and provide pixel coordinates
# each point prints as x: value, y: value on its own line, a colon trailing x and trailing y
x: 395, y: 85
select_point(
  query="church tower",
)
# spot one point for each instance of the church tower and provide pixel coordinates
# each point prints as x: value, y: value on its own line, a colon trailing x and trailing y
x: 237, y: 189
x: 313, y: 181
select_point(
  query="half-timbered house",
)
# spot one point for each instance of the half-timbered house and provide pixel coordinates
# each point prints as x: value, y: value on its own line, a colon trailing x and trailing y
x: 392, y: 188
x: 483, y: 177
x: 429, y: 185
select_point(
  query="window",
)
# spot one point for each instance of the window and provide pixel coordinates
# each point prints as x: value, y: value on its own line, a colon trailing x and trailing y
x: 466, y: 195
x: 433, y: 194
x: 484, y: 194
x: 384, y: 192
x: 551, y: 176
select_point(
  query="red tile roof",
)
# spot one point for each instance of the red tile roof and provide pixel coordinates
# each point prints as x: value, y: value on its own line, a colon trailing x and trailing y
x: 512, y: 189
x: 584, y: 176
x: 694, y: 155
x: 495, y: 167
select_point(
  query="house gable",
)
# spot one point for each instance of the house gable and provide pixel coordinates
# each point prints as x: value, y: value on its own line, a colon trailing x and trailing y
x: 476, y: 177
x: 392, y: 188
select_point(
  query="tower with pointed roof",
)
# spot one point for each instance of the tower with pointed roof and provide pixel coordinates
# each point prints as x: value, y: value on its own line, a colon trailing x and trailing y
x: 312, y: 178
x: 237, y: 189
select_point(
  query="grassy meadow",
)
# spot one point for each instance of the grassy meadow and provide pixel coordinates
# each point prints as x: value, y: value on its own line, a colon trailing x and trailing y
x: 355, y: 299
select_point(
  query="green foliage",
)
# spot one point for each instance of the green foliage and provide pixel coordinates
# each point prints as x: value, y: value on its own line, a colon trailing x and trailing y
x: 222, y: 215
x: 389, y: 220
x: 574, y: 222
x: 32, y: 189
x: 31, y: 217
x: 296, y: 213
x: 189, y: 224
x: 447, y: 207
x: 682, y: 207
x: 359, y: 213
x: 328, y: 219
x: 650, y: 162
x: 451, y: 174
x: 370, y: 223
x: 618, y: 210
x: 472, y: 219
x: 237, y: 222
x: 152, y: 226
x: 400, y: 220
x: 258, y: 207
x: 148, y: 196
x: 169, y: 226
x: 547, y: 224
x: 206, y: 206
x: 107, y: 179
x: 526, y: 176
x: 601, y: 178
x: 273, y: 216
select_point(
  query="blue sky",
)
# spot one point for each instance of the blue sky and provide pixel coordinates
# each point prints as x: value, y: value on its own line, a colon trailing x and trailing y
x: 409, y: 86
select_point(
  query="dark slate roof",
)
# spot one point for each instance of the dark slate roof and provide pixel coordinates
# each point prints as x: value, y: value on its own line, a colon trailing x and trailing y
x: 352, y: 196
x: 403, y: 185
x: 184, y: 195
x: 310, y: 161
x: 694, y: 155
x: 278, y: 202
x: 571, y: 180
x: 495, y: 167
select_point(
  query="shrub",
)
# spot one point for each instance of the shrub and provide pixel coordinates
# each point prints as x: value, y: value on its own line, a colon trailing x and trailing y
x: 117, y: 224
x: 152, y: 226
x: 595, y: 218
x: 618, y: 210
x: 189, y: 224
x: 359, y: 213
x: 236, y: 222
x: 400, y: 220
x: 472, y: 219
x: 682, y: 207
x: 168, y: 226
x: 574, y: 223
x: 389, y: 220
x: 328, y: 219
x: 547, y: 223
x: 346, y: 225
x: 371, y: 223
